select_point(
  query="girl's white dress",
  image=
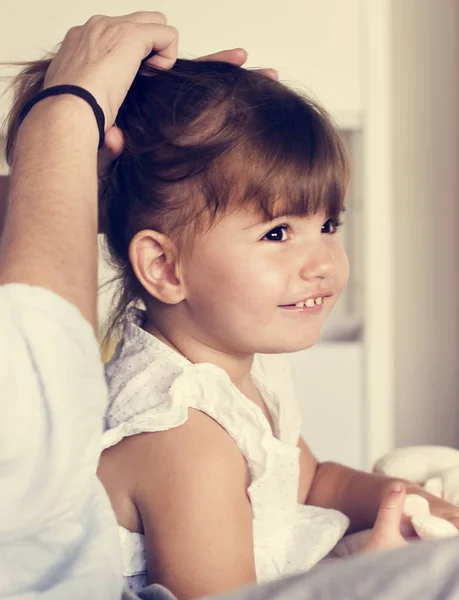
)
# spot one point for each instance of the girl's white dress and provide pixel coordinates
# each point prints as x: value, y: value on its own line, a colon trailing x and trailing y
x: 151, y: 387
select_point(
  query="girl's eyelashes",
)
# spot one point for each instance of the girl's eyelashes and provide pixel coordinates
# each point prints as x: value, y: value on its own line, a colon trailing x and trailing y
x: 280, y: 233
x: 277, y: 234
x: 331, y: 226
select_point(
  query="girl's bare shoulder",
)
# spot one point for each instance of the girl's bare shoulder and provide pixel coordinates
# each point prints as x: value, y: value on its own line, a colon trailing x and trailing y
x: 173, y: 461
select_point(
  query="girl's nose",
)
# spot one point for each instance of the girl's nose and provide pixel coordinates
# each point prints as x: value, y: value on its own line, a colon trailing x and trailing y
x: 318, y: 263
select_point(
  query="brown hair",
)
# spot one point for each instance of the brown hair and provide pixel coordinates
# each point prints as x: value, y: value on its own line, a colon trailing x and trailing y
x: 200, y: 138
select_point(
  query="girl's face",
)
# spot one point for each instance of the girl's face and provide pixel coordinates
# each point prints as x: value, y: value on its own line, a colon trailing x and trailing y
x: 257, y: 286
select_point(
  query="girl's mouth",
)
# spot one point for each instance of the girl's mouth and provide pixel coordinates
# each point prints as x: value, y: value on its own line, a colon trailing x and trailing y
x: 310, y: 305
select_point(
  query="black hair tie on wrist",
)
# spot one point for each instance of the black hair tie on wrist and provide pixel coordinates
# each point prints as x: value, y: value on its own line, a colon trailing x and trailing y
x: 75, y: 90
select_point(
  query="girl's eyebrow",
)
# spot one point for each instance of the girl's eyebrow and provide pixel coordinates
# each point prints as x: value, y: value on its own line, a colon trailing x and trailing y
x: 277, y: 219
x: 264, y: 221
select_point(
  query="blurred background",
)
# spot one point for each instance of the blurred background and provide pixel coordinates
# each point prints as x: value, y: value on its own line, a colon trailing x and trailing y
x: 385, y: 373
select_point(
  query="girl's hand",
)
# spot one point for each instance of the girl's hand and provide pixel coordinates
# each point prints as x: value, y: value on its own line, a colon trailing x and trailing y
x: 386, y: 532
x: 440, y: 508
x: 104, y: 55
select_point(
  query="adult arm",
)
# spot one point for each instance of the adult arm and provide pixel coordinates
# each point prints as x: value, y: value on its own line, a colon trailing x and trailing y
x: 57, y: 531
x: 50, y: 237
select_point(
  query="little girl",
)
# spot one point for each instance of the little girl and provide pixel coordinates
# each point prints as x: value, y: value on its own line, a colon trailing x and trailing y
x: 221, y: 215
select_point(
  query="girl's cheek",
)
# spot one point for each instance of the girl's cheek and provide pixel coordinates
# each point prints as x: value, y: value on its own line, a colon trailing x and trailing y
x: 342, y: 270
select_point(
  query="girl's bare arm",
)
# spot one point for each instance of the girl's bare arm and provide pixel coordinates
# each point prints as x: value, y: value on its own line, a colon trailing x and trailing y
x: 357, y: 494
x: 192, y: 497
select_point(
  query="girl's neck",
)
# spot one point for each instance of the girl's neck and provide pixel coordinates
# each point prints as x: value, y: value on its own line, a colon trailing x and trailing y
x: 197, y: 351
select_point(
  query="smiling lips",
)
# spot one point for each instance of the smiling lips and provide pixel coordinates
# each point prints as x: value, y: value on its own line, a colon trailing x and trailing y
x: 311, y: 304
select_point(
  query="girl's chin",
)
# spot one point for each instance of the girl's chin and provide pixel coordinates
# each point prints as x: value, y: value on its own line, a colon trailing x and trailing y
x: 285, y: 346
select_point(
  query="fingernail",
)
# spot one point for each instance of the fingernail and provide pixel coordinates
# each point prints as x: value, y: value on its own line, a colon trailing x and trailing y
x: 396, y: 487
x: 241, y: 51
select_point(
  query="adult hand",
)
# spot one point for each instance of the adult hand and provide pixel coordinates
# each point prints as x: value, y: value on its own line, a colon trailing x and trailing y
x: 104, y: 55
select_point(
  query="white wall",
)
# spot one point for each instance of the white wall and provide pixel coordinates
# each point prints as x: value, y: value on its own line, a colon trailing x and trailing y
x: 328, y: 380
x: 377, y: 224
x: 313, y: 42
x: 425, y: 42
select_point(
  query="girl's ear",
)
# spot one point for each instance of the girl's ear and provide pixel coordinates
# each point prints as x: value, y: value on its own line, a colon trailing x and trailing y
x: 154, y: 260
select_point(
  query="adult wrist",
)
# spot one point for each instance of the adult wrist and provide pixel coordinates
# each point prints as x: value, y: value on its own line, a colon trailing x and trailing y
x: 65, y: 90
x: 65, y: 117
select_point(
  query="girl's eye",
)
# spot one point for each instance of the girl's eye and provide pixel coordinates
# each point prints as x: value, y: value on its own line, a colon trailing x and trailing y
x: 278, y: 234
x: 331, y: 226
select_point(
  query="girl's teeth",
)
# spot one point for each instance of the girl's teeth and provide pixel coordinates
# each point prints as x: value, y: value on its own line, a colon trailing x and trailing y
x: 309, y: 303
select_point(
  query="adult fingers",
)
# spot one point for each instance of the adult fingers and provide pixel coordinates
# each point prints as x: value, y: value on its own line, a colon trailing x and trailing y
x: 113, y: 147
x: 235, y: 56
x: 161, y: 42
x: 104, y: 55
x: 114, y: 141
x: 164, y: 48
x: 238, y: 57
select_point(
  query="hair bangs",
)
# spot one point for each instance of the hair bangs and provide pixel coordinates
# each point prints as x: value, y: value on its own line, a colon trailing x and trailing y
x: 293, y: 163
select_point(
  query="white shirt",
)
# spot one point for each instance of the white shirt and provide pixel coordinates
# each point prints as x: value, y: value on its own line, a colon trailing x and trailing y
x: 58, y: 533
x: 151, y: 388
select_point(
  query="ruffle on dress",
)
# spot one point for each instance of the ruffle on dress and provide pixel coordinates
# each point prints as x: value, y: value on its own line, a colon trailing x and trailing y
x: 151, y: 388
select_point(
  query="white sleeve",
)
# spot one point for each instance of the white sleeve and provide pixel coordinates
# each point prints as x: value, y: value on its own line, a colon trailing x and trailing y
x: 52, y: 402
